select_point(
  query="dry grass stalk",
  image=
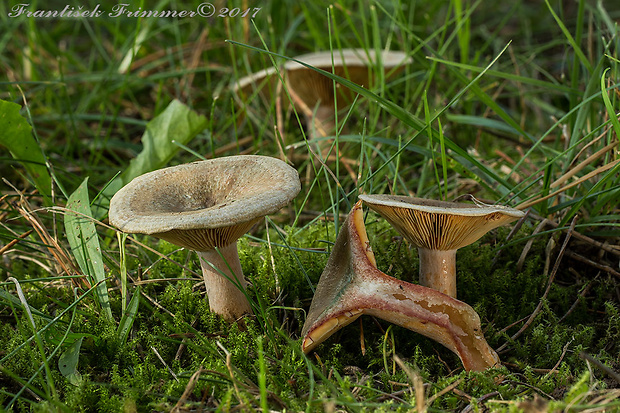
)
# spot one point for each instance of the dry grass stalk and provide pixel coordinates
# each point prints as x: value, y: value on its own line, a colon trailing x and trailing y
x: 417, y: 382
x: 590, y: 159
x: 556, y: 266
x: 188, y: 390
x: 12, y: 243
x: 584, y: 178
x: 55, y: 253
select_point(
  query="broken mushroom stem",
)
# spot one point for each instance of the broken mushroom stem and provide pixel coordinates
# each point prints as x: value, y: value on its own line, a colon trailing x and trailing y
x: 438, y: 270
x: 351, y: 285
x: 224, y: 281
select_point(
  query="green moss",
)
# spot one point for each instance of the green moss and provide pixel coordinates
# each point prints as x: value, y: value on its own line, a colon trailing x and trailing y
x: 117, y: 374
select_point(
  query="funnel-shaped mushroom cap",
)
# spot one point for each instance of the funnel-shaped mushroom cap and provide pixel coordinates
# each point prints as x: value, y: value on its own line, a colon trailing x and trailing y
x: 311, y: 86
x: 206, y: 204
x: 352, y: 64
x: 440, y: 225
x: 351, y: 285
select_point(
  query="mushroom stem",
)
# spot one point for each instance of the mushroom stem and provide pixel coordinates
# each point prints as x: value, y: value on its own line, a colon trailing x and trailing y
x: 321, y: 122
x: 438, y: 270
x: 226, y: 293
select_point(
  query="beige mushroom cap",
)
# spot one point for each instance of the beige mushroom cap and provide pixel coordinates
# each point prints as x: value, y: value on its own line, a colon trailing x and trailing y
x: 264, y: 77
x: 205, y: 204
x: 440, y: 225
x: 350, y: 58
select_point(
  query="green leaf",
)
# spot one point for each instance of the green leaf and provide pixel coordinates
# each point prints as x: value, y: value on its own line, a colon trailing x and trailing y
x: 16, y: 136
x: 84, y: 243
x: 124, y: 327
x: 68, y: 361
x: 177, y: 123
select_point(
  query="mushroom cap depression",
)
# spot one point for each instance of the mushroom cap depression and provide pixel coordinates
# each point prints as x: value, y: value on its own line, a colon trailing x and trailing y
x: 205, y: 204
x: 440, y: 225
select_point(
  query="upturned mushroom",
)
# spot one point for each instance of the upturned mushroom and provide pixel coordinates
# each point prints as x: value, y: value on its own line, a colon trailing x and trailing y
x: 206, y: 206
x: 438, y: 229
x: 314, y: 92
x: 351, y: 285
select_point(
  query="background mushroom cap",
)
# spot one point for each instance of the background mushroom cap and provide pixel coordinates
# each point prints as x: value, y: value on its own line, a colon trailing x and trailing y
x: 440, y: 225
x: 350, y: 58
x: 311, y: 86
x: 352, y: 64
x: 207, y: 203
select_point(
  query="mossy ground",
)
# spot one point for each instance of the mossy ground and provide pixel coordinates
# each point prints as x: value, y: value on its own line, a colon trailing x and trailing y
x: 130, y: 376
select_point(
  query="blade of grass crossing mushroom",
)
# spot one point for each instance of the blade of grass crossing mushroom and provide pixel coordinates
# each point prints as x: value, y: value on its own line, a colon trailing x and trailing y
x: 84, y: 242
x: 299, y: 121
x: 403, y: 115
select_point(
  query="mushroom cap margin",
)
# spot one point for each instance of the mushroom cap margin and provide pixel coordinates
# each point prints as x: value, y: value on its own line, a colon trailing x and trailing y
x: 212, y: 195
x: 440, y: 225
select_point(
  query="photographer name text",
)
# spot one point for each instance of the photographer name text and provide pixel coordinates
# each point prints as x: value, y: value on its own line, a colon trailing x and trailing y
x: 126, y: 10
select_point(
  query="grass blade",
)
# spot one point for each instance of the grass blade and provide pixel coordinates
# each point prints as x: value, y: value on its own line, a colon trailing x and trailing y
x: 613, y: 117
x: 124, y: 327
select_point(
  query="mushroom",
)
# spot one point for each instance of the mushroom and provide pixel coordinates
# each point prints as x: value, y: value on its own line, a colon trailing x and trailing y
x: 206, y: 206
x: 438, y: 229
x: 314, y: 92
x: 351, y: 285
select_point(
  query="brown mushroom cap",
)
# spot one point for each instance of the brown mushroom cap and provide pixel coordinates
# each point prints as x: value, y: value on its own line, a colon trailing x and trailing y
x: 353, y: 64
x: 440, y: 225
x: 311, y: 86
x: 205, y: 204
